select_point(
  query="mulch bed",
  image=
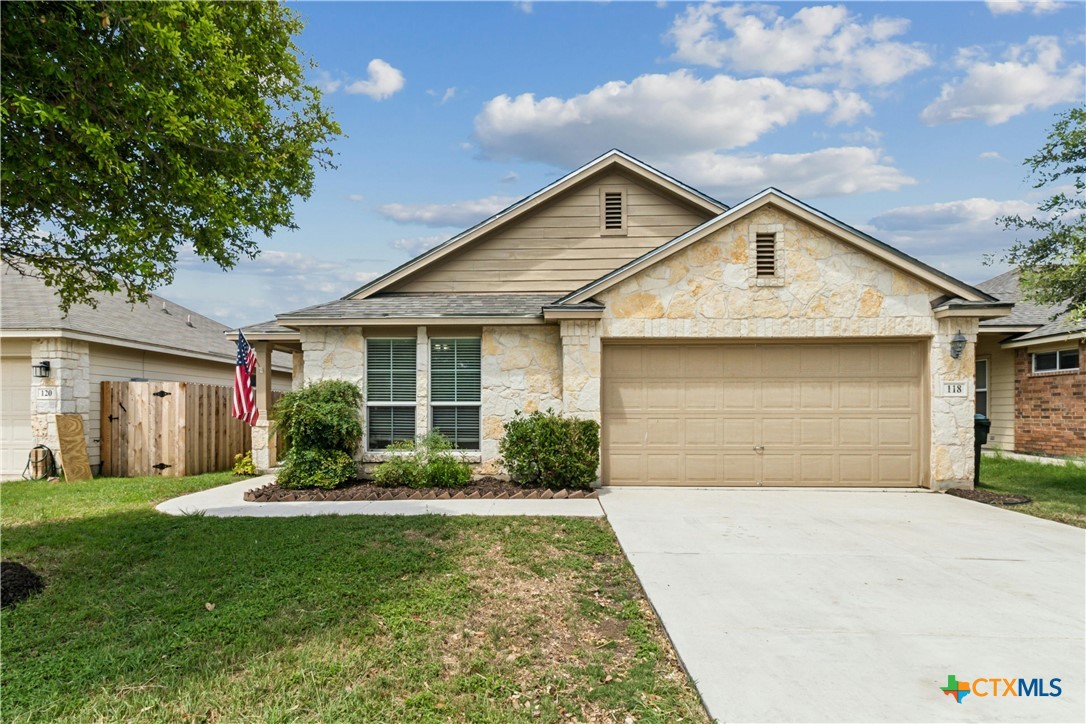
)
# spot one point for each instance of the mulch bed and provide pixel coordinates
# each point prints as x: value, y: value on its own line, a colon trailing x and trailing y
x: 17, y: 583
x: 482, y: 489
x: 987, y: 496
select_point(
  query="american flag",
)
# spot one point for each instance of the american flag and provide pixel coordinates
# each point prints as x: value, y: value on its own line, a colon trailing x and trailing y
x: 245, y: 383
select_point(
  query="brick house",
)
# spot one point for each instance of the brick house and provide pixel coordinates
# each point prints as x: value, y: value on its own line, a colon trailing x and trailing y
x: 1031, y: 378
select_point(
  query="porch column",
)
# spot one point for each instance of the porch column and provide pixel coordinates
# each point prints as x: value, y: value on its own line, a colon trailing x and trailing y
x: 264, y: 452
x: 952, y: 405
x: 581, y: 368
x: 422, y: 382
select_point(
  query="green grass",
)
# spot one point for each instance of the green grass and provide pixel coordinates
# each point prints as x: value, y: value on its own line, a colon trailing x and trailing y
x: 1058, y: 491
x: 334, y: 619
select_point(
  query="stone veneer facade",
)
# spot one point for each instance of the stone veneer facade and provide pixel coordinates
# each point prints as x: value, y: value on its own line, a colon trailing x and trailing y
x: 1050, y: 407
x: 65, y: 391
x: 824, y: 289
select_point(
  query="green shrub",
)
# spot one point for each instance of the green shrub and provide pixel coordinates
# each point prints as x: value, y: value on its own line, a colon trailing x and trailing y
x: 321, y: 416
x: 308, y: 468
x: 243, y: 464
x: 429, y: 463
x: 548, y: 450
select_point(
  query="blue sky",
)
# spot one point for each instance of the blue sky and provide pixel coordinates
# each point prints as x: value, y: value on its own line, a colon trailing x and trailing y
x: 908, y: 120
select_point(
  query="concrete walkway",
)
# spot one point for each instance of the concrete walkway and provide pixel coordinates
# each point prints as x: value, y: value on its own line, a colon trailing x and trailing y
x: 856, y: 605
x: 227, y: 501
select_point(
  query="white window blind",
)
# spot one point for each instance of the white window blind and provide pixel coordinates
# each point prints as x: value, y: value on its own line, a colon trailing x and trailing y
x: 455, y: 390
x: 390, y: 380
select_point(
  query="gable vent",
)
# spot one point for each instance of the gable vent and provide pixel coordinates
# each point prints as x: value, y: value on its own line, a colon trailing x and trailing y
x: 765, y: 255
x: 612, y: 210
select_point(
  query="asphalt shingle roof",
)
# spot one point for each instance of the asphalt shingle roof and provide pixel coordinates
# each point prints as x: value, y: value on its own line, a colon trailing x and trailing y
x: 1006, y: 288
x: 26, y: 303
x: 427, y: 305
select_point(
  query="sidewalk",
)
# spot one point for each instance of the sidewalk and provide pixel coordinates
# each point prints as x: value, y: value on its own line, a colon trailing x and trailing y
x: 227, y: 501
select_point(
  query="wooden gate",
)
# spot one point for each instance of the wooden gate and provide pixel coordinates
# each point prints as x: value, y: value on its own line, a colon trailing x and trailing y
x: 169, y: 428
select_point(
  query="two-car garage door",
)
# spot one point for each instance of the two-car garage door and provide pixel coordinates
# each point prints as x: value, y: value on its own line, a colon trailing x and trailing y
x: 763, y: 414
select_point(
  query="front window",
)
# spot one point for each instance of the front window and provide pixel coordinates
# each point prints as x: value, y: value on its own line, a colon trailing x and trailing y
x: 982, y: 387
x: 390, y: 391
x: 455, y: 390
x: 1058, y: 361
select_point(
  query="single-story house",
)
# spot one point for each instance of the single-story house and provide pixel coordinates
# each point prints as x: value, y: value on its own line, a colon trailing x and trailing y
x: 1031, y: 375
x: 159, y: 341
x: 765, y: 343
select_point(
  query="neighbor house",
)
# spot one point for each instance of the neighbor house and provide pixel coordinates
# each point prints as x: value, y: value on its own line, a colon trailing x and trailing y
x: 762, y: 344
x: 159, y: 341
x: 1031, y: 380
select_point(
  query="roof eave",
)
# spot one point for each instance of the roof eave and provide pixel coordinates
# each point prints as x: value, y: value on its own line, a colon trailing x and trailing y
x: 981, y: 310
x: 1047, y: 339
x: 416, y: 320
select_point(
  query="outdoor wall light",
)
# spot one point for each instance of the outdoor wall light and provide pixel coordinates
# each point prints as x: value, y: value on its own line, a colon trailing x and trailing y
x: 41, y: 369
x: 957, y: 345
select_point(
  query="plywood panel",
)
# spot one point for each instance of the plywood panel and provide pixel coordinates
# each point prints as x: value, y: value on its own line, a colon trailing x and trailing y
x: 763, y: 414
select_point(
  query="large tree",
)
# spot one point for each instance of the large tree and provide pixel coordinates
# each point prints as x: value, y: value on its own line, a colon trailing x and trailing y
x: 1053, y: 260
x: 134, y: 129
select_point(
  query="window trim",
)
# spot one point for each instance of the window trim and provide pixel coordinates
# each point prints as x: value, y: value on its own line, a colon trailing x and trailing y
x: 985, y: 388
x: 413, y: 404
x: 1059, y: 355
x: 624, y: 229
x: 430, y: 387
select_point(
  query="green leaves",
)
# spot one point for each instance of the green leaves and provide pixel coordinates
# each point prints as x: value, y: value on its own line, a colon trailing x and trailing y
x: 551, y: 451
x: 133, y: 129
x: 1053, y: 263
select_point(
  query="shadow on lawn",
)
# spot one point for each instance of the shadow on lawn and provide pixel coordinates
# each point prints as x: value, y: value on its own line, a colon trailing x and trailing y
x: 124, y: 619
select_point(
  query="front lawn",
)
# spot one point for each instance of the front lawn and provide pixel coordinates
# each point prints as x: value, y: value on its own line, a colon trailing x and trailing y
x: 150, y: 617
x: 1058, y: 491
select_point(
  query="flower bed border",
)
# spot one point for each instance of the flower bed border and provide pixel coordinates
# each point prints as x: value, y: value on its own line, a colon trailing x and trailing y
x: 272, y: 493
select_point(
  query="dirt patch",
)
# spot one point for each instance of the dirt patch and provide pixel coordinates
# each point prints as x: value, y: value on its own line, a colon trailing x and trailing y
x: 482, y: 489
x: 987, y: 496
x: 17, y: 583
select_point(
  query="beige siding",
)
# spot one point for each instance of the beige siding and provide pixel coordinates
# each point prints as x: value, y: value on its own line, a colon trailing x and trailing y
x: 120, y: 364
x: 1000, y: 390
x: 560, y: 247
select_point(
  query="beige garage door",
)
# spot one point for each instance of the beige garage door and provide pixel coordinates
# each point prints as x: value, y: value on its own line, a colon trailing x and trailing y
x: 762, y: 414
x: 15, y: 437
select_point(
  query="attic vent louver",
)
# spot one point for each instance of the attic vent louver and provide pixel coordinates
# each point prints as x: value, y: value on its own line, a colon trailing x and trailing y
x: 612, y: 210
x: 765, y: 255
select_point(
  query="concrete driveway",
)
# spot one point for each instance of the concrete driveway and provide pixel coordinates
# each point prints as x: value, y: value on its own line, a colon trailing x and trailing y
x: 855, y: 605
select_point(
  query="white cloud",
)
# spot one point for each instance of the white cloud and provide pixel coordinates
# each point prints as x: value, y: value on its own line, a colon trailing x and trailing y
x: 459, y: 214
x: 447, y: 96
x: 990, y: 156
x: 524, y: 7
x: 954, y: 236
x: 848, y: 107
x: 1011, y: 7
x: 824, y: 42
x: 327, y: 83
x: 867, y: 137
x: 382, y: 82
x: 510, y: 178
x: 717, y: 113
x: 826, y: 172
x: 356, y: 197
x: 418, y: 244
x: 1031, y: 76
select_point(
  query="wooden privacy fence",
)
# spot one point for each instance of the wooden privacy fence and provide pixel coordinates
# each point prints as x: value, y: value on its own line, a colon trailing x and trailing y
x: 169, y: 428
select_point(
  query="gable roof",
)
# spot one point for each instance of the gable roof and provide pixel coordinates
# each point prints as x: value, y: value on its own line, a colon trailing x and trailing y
x: 27, y: 305
x: 1049, y: 321
x: 612, y: 160
x: 865, y: 242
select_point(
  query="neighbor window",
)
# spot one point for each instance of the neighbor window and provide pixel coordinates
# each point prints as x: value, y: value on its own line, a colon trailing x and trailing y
x: 390, y: 391
x: 613, y: 210
x: 1060, y: 360
x: 765, y: 255
x: 455, y: 388
x: 982, y: 387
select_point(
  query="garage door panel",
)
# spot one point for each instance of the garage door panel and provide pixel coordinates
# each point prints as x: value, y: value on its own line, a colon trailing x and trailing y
x: 763, y: 414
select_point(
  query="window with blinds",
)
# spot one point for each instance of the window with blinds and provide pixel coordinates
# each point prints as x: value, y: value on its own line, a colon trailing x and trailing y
x: 455, y: 390
x: 765, y: 255
x: 390, y: 391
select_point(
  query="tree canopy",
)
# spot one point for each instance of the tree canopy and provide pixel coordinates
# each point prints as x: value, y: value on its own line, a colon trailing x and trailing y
x: 133, y: 130
x: 1053, y: 262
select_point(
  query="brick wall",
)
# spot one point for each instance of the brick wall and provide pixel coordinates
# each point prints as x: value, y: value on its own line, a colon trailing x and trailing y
x: 1050, y: 408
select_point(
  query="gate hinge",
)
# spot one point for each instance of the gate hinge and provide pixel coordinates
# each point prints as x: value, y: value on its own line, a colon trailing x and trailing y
x: 161, y: 393
x: 161, y: 466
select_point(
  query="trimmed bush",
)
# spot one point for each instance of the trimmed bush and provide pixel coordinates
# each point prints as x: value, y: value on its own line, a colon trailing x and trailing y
x: 322, y: 428
x: 321, y: 416
x: 243, y: 464
x: 548, y: 450
x: 429, y: 463
x: 316, y: 469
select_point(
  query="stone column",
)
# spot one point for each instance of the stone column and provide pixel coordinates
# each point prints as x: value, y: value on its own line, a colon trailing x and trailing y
x: 952, y: 414
x: 581, y: 368
x: 422, y: 383
x: 65, y: 391
x: 265, y: 455
x: 297, y: 374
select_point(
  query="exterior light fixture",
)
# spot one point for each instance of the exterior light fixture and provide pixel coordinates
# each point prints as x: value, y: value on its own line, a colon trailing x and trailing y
x: 957, y: 345
x: 41, y: 369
